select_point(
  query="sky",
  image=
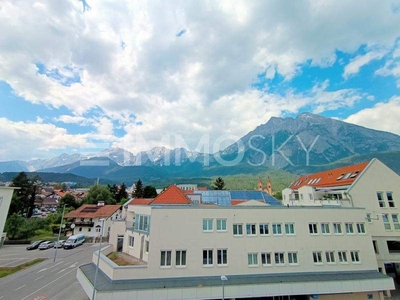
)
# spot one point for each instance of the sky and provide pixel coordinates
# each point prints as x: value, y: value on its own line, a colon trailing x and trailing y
x: 81, y: 75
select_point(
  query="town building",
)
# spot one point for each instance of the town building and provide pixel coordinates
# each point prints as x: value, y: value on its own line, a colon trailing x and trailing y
x: 371, y: 185
x: 213, y: 246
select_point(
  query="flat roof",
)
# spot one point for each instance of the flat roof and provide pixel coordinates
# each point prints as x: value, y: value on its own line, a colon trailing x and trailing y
x: 209, y: 206
x: 103, y: 283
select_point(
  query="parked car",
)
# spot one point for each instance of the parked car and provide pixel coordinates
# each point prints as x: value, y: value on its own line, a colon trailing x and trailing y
x: 46, y: 245
x: 59, y: 244
x: 35, y: 245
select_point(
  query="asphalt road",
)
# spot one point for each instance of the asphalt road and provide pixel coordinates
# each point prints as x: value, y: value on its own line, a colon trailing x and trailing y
x: 46, y: 280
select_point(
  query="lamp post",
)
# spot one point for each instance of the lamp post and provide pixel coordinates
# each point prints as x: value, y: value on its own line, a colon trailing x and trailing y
x: 98, y: 259
x: 223, y: 279
x: 59, y: 233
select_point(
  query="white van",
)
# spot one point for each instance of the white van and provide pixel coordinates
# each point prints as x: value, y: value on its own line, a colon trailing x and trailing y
x: 74, y: 240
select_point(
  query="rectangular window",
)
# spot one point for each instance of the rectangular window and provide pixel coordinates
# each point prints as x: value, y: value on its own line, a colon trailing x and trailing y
x: 389, y: 197
x: 222, y: 257
x: 252, y: 259
x: 317, y: 257
x: 312, y: 228
x: 330, y: 257
x: 380, y: 199
x: 342, y: 257
x: 142, y: 222
x: 221, y: 224
x: 375, y: 244
x: 237, y: 229
x: 251, y: 229
x: 147, y: 246
x: 337, y: 228
x: 264, y: 229
x: 325, y: 228
x: 180, y: 258
x: 277, y: 229
x: 385, y: 219
x: 289, y: 229
x: 369, y: 220
x: 165, y: 258
x: 349, y: 228
x: 310, y: 196
x: 266, y: 259
x: 207, y: 257
x: 396, y: 224
x: 131, y: 241
x: 355, y: 258
x: 361, y: 228
x: 292, y: 258
x: 279, y: 258
x: 207, y: 225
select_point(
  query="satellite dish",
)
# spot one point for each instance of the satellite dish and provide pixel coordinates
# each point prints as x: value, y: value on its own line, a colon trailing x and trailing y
x: 63, y: 226
x: 72, y: 226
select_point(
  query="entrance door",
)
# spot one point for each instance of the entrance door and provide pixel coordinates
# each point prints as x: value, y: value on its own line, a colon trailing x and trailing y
x: 120, y: 243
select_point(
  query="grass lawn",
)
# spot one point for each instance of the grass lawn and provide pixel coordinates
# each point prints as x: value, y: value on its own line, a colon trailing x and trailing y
x: 42, y: 234
x: 5, y: 271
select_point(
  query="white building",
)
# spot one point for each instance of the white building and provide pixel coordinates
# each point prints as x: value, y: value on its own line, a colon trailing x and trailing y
x: 87, y: 219
x: 184, y: 250
x: 371, y: 185
x: 5, y: 201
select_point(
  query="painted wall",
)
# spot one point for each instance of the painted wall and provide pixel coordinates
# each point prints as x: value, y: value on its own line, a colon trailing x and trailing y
x: 5, y: 201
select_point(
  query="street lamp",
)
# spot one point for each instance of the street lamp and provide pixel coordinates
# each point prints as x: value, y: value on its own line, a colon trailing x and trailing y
x: 223, y: 279
x: 98, y: 259
x: 59, y: 233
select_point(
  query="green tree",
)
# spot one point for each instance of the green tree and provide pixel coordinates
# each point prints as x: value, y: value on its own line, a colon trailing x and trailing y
x: 122, y: 193
x: 149, y: 192
x: 138, y: 192
x: 13, y: 225
x: 68, y: 200
x: 99, y: 193
x: 278, y: 195
x: 218, y: 184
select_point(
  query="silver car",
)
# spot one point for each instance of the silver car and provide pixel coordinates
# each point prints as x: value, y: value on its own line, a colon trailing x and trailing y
x: 46, y: 245
x: 59, y: 244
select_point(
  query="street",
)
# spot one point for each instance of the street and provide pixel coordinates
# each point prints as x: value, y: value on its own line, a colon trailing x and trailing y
x: 46, y: 280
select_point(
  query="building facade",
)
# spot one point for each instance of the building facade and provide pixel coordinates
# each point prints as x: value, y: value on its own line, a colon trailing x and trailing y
x: 5, y: 201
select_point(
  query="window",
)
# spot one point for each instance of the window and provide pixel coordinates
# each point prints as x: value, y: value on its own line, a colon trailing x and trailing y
x: 312, y: 228
x: 375, y: 244
x: 277, y: 229
x: 342, y: 257
x: 221, y: 224
x: 252, y: 259
x: 266, y: 259
x: 279, y: 258
x: 292, y: 258
x: 349, y: 228
x: 396, y: 224
x: 98, y: 229
x: 89, y: 229
x: 207, y: 225
x: 142, y: 222
x: 389, y: 197
x: 180, y: 258
x: 165, y: 258
x: 207, y: 257
x: 385, y: 219
x: 289, y: 229
x: 222, y: 257
x: 310, y: 196
x: 237, y: 229
x: 325, y: 228
x: 80, y: 229
x: 330, y: 257
x: 361, y: 228
x: 131, y: 241
x: 264, y: 229
x: 380, y: 199
x: 251, y: 229
x: 317, y: 257
x: 301, y: 196
x: 337, y: 228
x: 355, y: 258
x: 369, y: 220
x: 147, y: 246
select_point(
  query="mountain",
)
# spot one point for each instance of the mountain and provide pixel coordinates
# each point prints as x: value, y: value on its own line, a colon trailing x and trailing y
x: 13, y: 166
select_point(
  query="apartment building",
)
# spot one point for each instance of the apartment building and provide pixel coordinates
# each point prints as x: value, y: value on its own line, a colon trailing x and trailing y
x: 371, y: 185
x: 190, y: 250
x: 5, y: 201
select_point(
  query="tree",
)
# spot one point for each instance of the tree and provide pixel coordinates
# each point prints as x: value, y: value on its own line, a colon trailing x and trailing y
x: 99, y: 193
x: 149, y: 192
x: 138, y: 192
x: 218, y: 184
x: 13, y: 225
x: 118, y: 193
x: 68, y: 200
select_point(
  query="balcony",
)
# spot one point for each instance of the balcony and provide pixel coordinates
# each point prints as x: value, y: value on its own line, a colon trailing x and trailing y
x: 84, y: 223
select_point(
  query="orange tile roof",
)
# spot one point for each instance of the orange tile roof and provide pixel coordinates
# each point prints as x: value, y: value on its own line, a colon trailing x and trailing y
x: 140, y: 201
x: 236, y: 202
x: 172, y: 195
x: 188, y: 192
x: 347, y: 175
x: 60, y: 193
x: 90, y: 211
x: 202, y: 188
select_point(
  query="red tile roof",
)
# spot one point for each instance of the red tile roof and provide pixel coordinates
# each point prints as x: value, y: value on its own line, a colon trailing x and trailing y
x: 336, y: 177
x: 59, y: 193
x: 93, y: 211
x: 236, y: 202
x: 172, y: 195
x: 140, y: 201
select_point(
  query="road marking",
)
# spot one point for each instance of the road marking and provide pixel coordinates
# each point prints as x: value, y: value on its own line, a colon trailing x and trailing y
x: 48, y: 284
x: 3, y: 297
x: 39, y: 277
x: 54, y: 270
x: 20, y: 287
x: 61, y: 271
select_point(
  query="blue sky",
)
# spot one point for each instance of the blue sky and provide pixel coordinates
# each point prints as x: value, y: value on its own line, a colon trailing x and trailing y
x: 75, y: 77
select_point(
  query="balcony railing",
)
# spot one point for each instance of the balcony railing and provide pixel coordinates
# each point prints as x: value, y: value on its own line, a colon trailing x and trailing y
x: 84, y: 223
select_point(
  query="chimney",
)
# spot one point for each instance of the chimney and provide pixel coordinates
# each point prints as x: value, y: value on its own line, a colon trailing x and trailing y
x: 100, y: 203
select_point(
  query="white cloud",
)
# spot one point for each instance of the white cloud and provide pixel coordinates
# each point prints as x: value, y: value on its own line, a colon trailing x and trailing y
x: 383, y: 116
x: 359, y: 61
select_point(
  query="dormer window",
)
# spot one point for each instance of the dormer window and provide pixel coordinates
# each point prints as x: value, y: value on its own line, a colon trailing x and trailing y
x: 340, y: 177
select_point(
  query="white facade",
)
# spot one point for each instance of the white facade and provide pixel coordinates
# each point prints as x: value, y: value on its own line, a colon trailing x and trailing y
x: 5, y: 201
x: 188, y: 242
